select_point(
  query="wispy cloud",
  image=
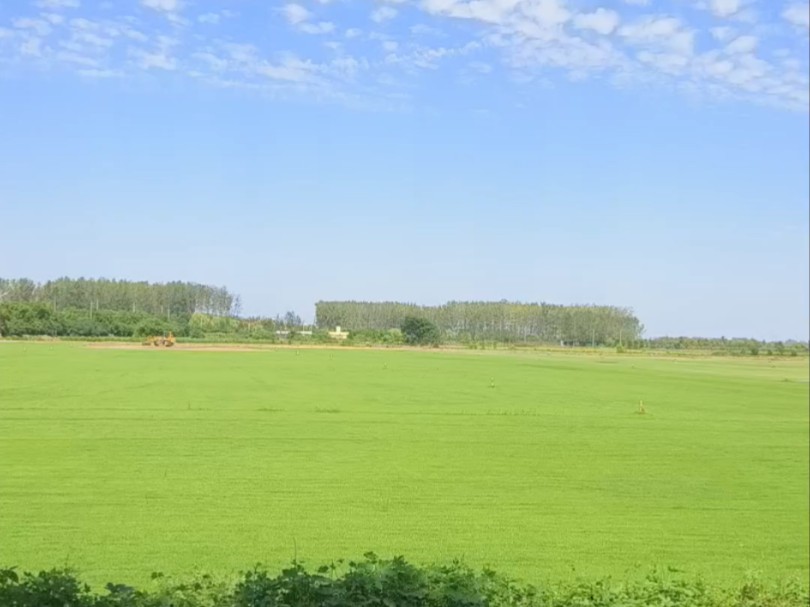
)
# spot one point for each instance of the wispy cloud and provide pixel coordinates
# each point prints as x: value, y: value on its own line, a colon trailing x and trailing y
x: 660, y: 32
x: 726, y: 49
x: 384, y: 13
x: 601, y: 21
x: 295, y: 13
x: 725, y: 8
x: 166, y: 6
x: 742, y: 45
x: 301, y: 18
x: 57, y: 4
x: 798, y: 14
x: 171, y: 9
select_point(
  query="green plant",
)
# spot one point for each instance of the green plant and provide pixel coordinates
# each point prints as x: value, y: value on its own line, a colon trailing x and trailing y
x: 375, y: 582
x: 418, y: 331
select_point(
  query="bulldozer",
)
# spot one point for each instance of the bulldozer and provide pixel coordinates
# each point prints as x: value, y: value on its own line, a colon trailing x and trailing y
x: 160, y: 341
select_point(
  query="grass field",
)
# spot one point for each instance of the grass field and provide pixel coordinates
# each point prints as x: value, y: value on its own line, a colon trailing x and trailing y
x: 123, y: 462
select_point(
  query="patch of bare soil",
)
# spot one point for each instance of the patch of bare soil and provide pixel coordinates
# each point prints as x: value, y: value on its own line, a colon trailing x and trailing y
x: 183, y: 347
x: 108, y: 345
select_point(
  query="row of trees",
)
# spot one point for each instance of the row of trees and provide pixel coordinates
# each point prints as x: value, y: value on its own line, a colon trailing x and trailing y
x: 100, y: 307
x: 735, y: 345
x: 158, y: 299
x: 496, y: 321
x: 34, y: 318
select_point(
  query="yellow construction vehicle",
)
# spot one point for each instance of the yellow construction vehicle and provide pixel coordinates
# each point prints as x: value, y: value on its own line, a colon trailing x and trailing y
x: 161, y: 341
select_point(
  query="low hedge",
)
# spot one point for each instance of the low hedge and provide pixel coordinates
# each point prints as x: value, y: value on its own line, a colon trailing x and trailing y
x: 374, y: 582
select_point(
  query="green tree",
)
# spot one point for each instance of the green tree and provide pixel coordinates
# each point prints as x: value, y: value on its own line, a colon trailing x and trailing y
x: 418, y: 331
x: 151, y: 326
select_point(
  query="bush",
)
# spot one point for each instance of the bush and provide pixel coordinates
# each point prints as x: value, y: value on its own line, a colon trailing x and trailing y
x: 417, y: 331
x: 375, y: 582
x: 151, y: 326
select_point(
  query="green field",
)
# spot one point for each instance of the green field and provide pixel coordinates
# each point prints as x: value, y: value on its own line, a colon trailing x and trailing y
x: 123, y: 462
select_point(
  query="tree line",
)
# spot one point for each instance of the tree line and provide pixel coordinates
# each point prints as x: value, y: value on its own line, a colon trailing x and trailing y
x: 156, y: 299
x: 18, y: 319
x: 503, y: 321
x: 112, y: 308
x: 94, y: 308
x: 733, y: 345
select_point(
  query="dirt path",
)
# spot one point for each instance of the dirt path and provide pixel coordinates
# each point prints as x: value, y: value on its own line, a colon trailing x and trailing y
x: 241, y: 347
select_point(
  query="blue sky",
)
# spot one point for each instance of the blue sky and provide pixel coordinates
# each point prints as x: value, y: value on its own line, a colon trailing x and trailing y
x: 638, y: 153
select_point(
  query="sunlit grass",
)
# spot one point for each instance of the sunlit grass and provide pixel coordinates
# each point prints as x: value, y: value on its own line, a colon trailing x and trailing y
x: 124, y: 462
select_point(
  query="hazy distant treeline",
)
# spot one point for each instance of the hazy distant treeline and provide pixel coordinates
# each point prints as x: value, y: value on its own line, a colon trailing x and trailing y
x: 119, y: 308
x: 498, y: 321
x: 156, y: 299
x: 734, y: 345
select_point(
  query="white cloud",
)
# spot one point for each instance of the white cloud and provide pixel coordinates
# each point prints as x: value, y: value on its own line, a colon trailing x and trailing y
x: 99, y: 73
x: 77, y: 58
x: 428, y: 58
x: 540, y: 13
x: 32, y: 47
x: 420, y: 29
x: 159, y: 57
x: 57, y: 4
x: 92, y: 39
x: 669, y: 63
x: 295, y: 13
x: 742, y: 45
x: 601, y: 21
x: 384, y: 13
x: 53, y: 18
x: 346, y: 67
x: 547, y: 12
x: 148, y: 60
x: 534, y: 42
x: 650, y: 29
x: 40, y: 26
x: 298, y: 16
x: 212, y: 61
x: 666, y: 32
x: 798, y: 14
x: 290, y: 68
x: 725, y: 8
x: 322, y: 27
x: 722, y: 33
x: 166, y: 6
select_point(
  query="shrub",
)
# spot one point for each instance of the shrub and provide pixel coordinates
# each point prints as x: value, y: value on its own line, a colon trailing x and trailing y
x: 151, y: 326
x: 375, y: 582
x: 417, y: 331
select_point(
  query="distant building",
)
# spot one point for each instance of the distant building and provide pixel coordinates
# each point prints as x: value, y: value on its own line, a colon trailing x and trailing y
x: 338, y: 334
